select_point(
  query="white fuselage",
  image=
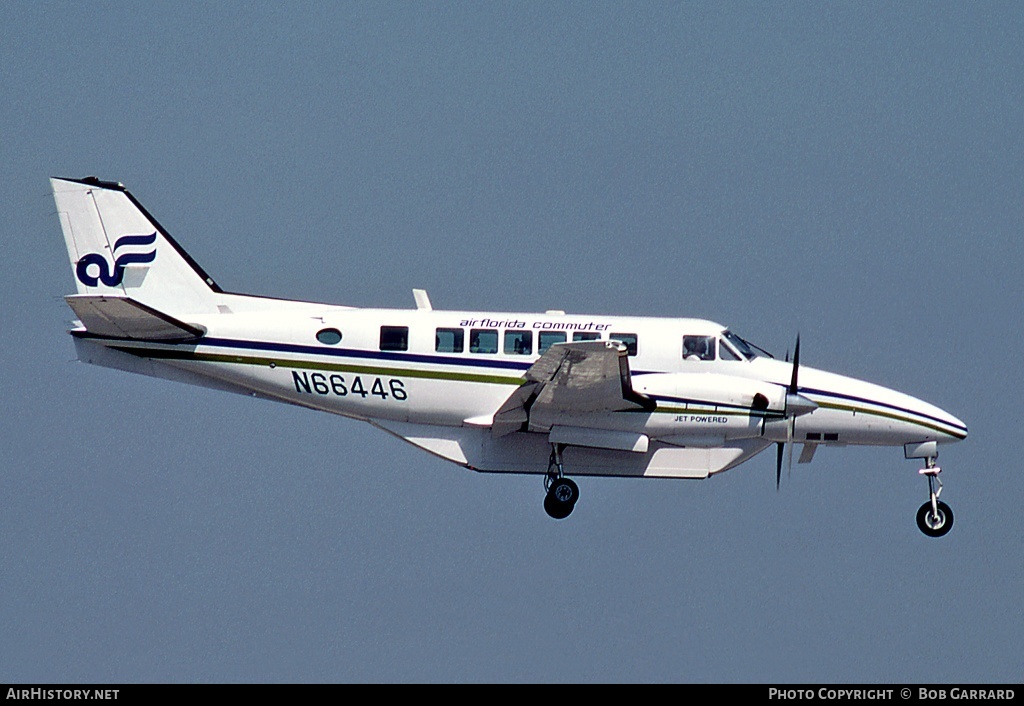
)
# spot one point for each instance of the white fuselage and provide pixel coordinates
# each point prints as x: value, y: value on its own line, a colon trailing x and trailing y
x: 402, y: 370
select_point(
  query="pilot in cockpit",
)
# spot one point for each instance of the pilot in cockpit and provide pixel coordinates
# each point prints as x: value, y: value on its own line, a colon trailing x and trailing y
x: 698, y: 348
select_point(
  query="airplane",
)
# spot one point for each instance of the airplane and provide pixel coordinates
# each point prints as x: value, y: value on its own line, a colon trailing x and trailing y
x: 551, y: 393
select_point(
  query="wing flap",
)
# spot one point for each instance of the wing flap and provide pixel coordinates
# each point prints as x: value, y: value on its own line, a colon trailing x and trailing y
x: 123, y: 317
x: 514, y: 414
x: 585, y: 376
x: 570, y: 379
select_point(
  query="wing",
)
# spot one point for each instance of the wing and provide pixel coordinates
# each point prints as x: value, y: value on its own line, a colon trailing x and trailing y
x: 573, y: 378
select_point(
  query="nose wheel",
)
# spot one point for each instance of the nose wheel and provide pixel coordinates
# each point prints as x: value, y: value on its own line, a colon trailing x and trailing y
x: 934, y: 518
x: 560, y: 493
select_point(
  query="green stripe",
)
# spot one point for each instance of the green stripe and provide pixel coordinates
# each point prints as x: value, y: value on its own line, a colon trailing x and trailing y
x: 471, y: 377
x: 315, y: 365
x: 666, y: 409
x: 891, y: 415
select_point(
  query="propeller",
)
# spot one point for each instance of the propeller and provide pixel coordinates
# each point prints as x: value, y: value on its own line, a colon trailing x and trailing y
x: 796, y: 405
x: 778, y: 463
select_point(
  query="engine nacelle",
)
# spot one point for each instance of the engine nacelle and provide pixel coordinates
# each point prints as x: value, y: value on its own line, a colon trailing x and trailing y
x: 703, y: 409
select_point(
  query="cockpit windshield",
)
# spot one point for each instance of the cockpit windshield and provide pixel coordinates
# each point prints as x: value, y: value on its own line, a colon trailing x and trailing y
x: 745, y: 348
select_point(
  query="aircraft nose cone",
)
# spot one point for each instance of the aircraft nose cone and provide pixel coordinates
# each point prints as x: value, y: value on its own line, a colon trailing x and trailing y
x: 893, y: 414
x: 949, y: 427
x: 959, y: 425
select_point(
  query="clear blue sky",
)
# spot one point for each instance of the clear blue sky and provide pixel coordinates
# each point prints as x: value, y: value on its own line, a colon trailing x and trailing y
x: 850, y: 171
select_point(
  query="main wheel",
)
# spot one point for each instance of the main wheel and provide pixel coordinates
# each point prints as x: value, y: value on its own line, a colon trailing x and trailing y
x: 565, y: 491
x: 561, y: 498
x: 935, y: 525
x: 555, y: 509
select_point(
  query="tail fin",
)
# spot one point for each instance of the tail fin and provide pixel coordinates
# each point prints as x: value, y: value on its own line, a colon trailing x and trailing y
x: 118, y: 250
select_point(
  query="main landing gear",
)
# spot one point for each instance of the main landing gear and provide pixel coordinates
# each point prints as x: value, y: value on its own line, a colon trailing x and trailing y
x: 561, y: 493
x: 934, y: 518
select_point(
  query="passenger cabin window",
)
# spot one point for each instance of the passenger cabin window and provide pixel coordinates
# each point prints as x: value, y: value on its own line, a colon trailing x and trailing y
x: 518, y: 342
x: 586, y: 336
x: 394, y: 338
x: 698, y: 347
x: 329, y: 336
x: 449, y: 340
x: 546, y: 339
x: 628, y: 338
x: 483, y: 340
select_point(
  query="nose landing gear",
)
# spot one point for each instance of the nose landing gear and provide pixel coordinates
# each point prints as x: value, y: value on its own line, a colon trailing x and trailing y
x: 934, y: 518
x: 561, y: 493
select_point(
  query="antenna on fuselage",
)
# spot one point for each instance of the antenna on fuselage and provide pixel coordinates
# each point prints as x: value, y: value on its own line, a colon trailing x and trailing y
x: 422, y: 300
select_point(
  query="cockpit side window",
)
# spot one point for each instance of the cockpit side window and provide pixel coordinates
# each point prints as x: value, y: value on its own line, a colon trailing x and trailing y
x: 741, y: 346
x: 699, y: 347
x: 727, y: 353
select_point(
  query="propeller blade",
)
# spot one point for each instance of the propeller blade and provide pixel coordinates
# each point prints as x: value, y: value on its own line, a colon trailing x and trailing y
x: 796, y: 366
x: 795, y: 406
x: 778, y: 464
x: 790, y: 428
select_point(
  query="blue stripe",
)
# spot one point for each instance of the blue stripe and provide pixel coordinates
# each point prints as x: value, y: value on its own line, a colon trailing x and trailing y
x: 511, y: 365
x: 865, y: 400
x: 742, y: 408
x: 370, y: 355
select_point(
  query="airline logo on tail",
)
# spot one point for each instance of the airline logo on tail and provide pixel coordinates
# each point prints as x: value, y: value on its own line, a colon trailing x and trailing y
x: 112, y: 277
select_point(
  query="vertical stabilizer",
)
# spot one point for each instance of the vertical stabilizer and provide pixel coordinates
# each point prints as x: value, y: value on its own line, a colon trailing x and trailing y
x: 118, y: 250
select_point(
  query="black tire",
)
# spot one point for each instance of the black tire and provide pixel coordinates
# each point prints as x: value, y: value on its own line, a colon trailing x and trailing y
x: 935, y: 526
x: 555, y: 509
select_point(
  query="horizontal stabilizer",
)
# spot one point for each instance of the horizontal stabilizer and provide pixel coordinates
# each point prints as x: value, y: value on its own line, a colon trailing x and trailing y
x: 122, y: 317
